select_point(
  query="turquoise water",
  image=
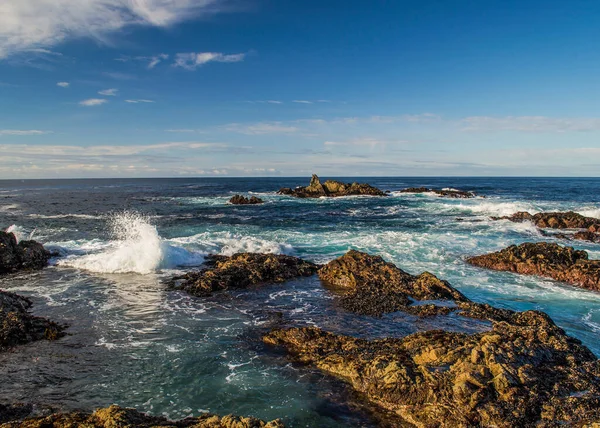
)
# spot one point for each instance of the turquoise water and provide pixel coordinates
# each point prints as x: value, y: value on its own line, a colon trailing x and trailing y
x: 135, y: 343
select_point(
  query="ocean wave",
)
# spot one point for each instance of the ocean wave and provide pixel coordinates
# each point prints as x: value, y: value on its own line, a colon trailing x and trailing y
x: 229, y: 243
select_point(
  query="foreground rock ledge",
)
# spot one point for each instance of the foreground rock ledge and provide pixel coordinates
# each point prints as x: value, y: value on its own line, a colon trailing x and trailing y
x: 331, y: 188
x: 545, y: 259
x: 25, y: 255
x: 242, y: 200
x: 243, y: 270
x: 18, y: 326
x: 524, y: 372
x: 449, y: 193
x: 116, y: 417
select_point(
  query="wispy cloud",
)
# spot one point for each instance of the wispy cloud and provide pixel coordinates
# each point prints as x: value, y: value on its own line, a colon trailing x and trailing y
x: 120, y: 76
x: 191, y: 61
x: 39, y: 24
x: 63, y: 84
x: 529, y: 124
x: 93, y: 102
x: 20, y: 132
x: 109, y: 92
x: 261, y: 128
x: 302, y: 102
x: 152, y: 61
x: 138, y: 101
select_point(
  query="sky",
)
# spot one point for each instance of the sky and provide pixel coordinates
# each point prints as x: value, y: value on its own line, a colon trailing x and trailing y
x: 192, y: 88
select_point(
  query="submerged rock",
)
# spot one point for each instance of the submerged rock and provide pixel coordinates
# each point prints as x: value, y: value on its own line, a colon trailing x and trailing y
x: 116, y: 417
x: 545, y: 259
x: 450, y: 193
x: 18, y: 326
x: 23, y: 255
x: 524, y: 372
x: 243, y: 270
x: 370, y: 285
x: 242, y: 200
x: 331, y: 188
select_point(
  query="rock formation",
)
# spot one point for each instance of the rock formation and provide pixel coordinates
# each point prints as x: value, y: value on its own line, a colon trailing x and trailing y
x: 242, y: 200
x: 545, y: 259
x: 524, y: 372
x: 450, y: 193
x: 23, y: 255
x: 331, y: 188
x: 118, y: 417
x: 243, y: 270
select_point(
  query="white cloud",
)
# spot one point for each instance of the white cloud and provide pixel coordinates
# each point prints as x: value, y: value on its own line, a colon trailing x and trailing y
x: 39, y: 24
x: 261, y: 128
x: 530, y: 124
x: 109, y: 92
x: 302, y: 102
x: 138, y: 101
x: 191, y: 61
x: 155, y: 60
x: 63, y: 84
x: 93, y: 102
x: 23, y: 132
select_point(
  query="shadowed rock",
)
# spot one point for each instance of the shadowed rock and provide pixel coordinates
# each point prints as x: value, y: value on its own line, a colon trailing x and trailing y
x: 19, y: 256
x: 18, y: 326
x: 545, y: 259
x: 243, y: 270
x: 525, y: 371
x: 118, y: 417
x: 242, y: 200
x: 450, y: 193
x: 331, y: 188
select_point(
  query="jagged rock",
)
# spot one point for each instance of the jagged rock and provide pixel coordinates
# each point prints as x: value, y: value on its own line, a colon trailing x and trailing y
x: 370, y: 285
x: 450, y: 193
x: 242, y: 200
x: 23, y: 255
x: 555, y: 220
x: 241, y: 271
x: 18, y: 326
x: 118, y: 417
x: 331, y: 188
x: 545, y: 259
x: 525, y: 372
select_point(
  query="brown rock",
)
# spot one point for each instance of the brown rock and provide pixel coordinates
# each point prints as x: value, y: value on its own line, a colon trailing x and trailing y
x: 243, y: 270
x: 545, y: 259
x: 242, y: 200
x: 555, y: 220
x: 450, y: 193
x: 331, y: 188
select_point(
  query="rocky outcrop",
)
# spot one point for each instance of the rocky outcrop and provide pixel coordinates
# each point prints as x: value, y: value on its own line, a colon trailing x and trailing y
x: 243, y: 270
x: 18, y: 326
x: 331, y: 188
x: 23, y: 255
x: 242, y: 200
x: 370, y: 285
x: 118, y: 417
x: 449, y: 193
x: 545, y: 259
x: 524, y: 372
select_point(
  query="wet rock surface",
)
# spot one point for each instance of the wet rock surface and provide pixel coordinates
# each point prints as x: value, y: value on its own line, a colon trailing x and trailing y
x: 20, y: 256
x: 449, y: 193
x: 243, y: 270
x: 524, y: 372
x: 545, y: 259
x: 18, y: 326
x: 115, y: 417
x: 242, y: 200
x: 331, y: 188
x: 369, y: 285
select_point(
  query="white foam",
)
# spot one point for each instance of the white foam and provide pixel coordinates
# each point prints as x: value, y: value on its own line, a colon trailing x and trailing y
x: 20, y: 233
x: 228, y: 243
x: 590, y: 212
x: 137, y: 248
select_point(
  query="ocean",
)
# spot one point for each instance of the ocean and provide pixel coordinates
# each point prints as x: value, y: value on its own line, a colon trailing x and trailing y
x: 134, y: 342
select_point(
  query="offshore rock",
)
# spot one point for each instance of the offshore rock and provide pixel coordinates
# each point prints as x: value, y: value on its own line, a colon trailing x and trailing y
x: 243, y: 270
x: 118, y: 417
x: 450, y: 193
x: 331, y: 188
x: 242, y: 200
x: 369, y: 285
x: 15, y: 256
x: 545, y: 259
x: 18, y: 326
x: 524, y: 372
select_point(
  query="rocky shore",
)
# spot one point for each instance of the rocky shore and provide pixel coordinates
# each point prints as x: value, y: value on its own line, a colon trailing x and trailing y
x: 449, y: 193
x: 24, y: 255
x: 242, y: 200
x: 115, y: 417
x: 331, y: 188
x: 545, y: 259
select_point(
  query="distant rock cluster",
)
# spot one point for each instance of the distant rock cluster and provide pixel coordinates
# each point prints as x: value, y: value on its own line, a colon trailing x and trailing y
x: 331, y: 188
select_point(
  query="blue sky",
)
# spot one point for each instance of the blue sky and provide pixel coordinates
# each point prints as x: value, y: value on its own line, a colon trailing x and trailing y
x: 168, y: 88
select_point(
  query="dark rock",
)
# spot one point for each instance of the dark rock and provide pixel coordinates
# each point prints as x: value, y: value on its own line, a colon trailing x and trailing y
x: 243, y: 270
x: 450, y: 193
x: 242, y: 200
x: 555, y: 220
x: 331, y: 188
x: 525, y: 372
x: 370, y: 285
x: 118, y: 417
x: 587, y: 236
x: 14, y: 412
x: 545, y: 259
x: 18, y: 326
x: 24, y: 255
